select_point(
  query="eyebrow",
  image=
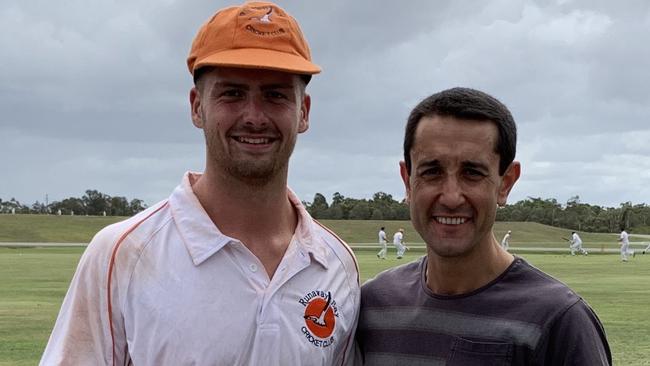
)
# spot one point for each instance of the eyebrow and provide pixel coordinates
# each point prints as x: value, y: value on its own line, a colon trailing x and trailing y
x: 430, y: 164
x: 465, y: 164
x: 227, y: 84
x: 475, y: 165
x: 277, y: 86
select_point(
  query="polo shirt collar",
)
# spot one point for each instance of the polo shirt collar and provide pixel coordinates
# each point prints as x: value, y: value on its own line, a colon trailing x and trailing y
x: 203, y: 238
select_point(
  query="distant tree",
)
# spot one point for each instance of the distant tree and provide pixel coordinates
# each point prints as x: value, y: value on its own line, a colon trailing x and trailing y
x: 39, y: 208
x: 96, y: 202
x: 318, y: 209
x: 335, y: 212
x: 119, y: 206
x: 360, y: 211
x: 377, y: 214
x: 68, y: 205
x: 136, y: 205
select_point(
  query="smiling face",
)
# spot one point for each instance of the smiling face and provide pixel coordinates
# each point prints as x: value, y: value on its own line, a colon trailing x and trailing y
x: 250, y: 119
x: 454, y: 186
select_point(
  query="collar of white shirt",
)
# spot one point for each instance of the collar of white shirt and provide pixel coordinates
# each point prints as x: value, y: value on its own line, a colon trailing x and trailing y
x: 203, y: 238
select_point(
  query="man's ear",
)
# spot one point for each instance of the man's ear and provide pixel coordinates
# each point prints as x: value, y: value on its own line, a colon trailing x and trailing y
x: 406, y: 178
x: 195, y: 105
x: 508, y: 181
x: 303, y: 123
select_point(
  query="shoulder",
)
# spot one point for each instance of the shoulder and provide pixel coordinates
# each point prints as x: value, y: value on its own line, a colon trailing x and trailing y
x: 393, y: 284
x: 576, y: 337
x: 339, y: 248
x: 546, y: 297
x: 134, y: 231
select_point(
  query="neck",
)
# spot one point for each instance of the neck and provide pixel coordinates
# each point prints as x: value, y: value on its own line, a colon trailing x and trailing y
x: 260, y: 216
x: 464, y: 274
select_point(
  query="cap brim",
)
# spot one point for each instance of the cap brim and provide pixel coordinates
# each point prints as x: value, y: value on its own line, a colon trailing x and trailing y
x: 258, y: 58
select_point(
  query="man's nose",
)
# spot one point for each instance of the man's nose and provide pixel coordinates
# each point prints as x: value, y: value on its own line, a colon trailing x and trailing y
x: 254, y: 112
x: 452, y: 195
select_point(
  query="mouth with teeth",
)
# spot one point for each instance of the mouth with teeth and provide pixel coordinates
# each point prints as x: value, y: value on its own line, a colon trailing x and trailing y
x: 445, y: 220
x: 253, y: 140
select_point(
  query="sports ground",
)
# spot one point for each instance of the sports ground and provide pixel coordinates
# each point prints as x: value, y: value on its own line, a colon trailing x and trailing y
x: 33, y: 281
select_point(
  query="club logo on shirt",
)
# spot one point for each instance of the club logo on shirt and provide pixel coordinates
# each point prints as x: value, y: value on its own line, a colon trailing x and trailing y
x: 320, y: 317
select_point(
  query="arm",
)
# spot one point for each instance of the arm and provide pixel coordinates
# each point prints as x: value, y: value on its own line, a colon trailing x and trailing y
x: 82, y: 333
x: 576, y: 337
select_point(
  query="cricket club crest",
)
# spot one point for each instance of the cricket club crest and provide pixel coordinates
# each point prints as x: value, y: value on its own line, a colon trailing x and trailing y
x: 321, y: 314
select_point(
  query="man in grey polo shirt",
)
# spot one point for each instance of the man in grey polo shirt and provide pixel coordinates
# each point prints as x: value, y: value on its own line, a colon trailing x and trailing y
x: 468, y: 301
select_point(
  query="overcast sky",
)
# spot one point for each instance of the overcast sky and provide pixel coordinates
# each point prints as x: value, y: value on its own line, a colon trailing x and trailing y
x: 94, y: 95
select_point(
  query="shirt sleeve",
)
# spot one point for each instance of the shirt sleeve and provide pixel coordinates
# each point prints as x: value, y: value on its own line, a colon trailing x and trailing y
x: 82, y: 334
x: 578, y: 338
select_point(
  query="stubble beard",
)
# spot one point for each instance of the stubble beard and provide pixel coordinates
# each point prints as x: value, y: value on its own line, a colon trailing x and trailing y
x: 249, y: 170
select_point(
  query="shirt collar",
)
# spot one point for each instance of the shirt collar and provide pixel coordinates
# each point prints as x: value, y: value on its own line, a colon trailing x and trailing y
x: 203, y: 238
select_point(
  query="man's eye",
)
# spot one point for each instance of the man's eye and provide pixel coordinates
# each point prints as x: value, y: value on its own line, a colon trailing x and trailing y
x: 272, y: 94
x: 473, y: 173
x: 233, y: 93
x: 431, y: 172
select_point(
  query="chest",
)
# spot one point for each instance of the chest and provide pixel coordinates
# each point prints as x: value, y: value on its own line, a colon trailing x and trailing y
x: 226, y: 311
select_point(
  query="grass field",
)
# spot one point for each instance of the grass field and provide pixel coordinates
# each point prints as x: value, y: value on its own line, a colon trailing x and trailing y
x: 80, y: 229
x: 34, y: 281
x: 52, y: 228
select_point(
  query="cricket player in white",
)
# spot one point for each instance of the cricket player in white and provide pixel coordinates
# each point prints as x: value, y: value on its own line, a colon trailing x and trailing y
x: 382, y: 243
x: 231, y: 270
x: 625, y: 246
x: 398, y: 242
x: 576, y: 244
x: 505, y: 244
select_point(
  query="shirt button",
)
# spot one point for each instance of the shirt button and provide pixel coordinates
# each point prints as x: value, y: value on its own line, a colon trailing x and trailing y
x: 253, y: 267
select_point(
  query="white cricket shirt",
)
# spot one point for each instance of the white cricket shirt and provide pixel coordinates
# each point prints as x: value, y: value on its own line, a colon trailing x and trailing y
x: 576, y: 239
x: 166, y: 287
x: 624, y: 237
x: 382, y: 236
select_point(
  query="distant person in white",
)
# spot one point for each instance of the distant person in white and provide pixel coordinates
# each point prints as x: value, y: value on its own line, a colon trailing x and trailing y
x: 382, y: 243
x: 576, y: 244
x: 646, y: 248
x: 398, y: 242
x: 505, y: 244
x: 625, y: 245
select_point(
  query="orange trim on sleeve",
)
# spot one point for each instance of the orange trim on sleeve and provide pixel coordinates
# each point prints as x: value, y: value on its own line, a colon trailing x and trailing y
x: 345, y: 245
x: 110, y: 273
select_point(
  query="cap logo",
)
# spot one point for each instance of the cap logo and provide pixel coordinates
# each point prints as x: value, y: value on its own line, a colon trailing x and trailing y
x: 320, y: 318
x: 266, y: 18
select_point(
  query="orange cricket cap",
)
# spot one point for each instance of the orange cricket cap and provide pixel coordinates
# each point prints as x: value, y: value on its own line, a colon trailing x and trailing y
x: 256, y: 35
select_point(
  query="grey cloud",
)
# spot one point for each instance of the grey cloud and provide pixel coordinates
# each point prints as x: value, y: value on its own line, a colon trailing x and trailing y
x: 100, y: 94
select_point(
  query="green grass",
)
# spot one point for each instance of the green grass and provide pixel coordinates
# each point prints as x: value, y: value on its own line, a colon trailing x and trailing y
x: 524, y: 234
x: 32, y: 286
x: 34, y: 281
x: 52, y: 228
x: 80, y: 229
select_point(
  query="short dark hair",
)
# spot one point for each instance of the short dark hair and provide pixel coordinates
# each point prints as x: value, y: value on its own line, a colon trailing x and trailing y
x: 466, y: 103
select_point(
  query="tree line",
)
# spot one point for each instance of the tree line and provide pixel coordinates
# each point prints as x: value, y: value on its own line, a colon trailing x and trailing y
x: 573, y: 214
x: 93, y: 203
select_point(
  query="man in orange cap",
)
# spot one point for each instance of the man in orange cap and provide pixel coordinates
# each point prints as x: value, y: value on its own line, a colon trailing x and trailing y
x: 231, y: 269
